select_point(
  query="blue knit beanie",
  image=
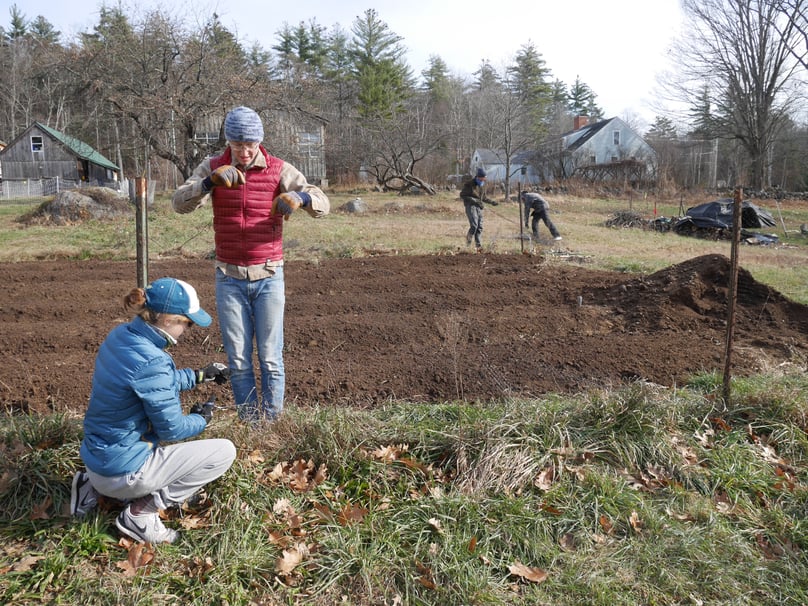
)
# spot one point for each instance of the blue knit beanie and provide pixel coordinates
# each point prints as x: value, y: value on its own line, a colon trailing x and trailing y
x: 481, y: 173
x: 243, y: 124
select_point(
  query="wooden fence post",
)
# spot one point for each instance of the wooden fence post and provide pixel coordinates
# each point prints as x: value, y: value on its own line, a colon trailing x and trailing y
x: 142, y: 224
x: 732, y: 292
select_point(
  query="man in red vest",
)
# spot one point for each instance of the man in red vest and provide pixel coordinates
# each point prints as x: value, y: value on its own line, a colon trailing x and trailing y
x: 252, y: 194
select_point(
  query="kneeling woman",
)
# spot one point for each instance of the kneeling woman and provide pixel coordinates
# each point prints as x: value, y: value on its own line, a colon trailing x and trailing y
x: 135, y: 404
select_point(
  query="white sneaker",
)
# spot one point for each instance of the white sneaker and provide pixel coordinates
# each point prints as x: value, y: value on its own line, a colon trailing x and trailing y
x: 83, y: 497
x: 146, y: 528
x: 557, y: 238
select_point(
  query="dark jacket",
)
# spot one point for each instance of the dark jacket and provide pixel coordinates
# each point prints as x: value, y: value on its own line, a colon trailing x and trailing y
x: 534, y: 202
x: 471, y: 193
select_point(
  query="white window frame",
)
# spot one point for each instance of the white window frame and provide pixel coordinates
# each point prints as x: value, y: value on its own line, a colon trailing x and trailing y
x: 38, y: 147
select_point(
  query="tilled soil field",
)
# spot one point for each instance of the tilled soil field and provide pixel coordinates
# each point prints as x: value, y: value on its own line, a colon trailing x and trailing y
x: 361, y: 332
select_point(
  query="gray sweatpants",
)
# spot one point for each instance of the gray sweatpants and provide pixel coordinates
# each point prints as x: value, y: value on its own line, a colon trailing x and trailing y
x: 172, y: 473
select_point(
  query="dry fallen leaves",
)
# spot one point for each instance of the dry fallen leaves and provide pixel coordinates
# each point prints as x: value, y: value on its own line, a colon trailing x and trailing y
x: 196, y: 520
x: 290, y: 559
x: 300, y: 476
x: 425, y: 577
x: 350, y: 514
x: 139, y: 555
x: 534, y: 575
x: 40, y: 510
x: 25, y: 564
x: 687, y: 452
x: 682, y: 517
x: 705, y: 438
x: 770, y: 550
x: 255, y: 458
x: 544, y: 481
x: 723, y: 503
x: 721, y: 423
x: 388, y: 454
x: 636, y: 523
x: 787, y: 481
x: 197, y: 567
x: 567, y: 542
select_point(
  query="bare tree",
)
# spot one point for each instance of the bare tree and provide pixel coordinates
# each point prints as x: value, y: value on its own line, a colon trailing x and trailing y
x: 741, y: 51
x: 395, y: 145
x: 169, y: 85
x: 31, y: 83
x: 796, y: 13
x: 509, y: 111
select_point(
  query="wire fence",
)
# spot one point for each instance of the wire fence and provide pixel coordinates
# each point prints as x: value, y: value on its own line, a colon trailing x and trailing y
x: 39, y: 188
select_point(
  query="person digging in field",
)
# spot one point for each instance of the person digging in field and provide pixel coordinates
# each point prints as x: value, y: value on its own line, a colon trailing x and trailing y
x: 135, y: 406
x: 473, y: 195
x: 252, y: 194
x: 536, y: 203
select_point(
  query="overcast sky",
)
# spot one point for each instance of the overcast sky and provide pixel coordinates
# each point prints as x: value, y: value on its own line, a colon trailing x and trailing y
x: 618, y: 48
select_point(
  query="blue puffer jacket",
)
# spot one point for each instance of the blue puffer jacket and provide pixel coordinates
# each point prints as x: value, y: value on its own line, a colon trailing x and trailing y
x: 135, y: 401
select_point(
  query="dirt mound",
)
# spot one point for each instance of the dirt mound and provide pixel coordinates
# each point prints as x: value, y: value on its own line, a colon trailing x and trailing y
x: 688, y: 295
x: 430, y: 328
x: 71, y: 207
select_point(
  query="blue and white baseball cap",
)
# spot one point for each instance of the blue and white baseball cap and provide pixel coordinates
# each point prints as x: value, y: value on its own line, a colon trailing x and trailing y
x: 172, y: 296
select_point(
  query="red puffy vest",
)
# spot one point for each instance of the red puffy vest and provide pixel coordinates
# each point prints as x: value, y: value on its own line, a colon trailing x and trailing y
x: 245, y: 230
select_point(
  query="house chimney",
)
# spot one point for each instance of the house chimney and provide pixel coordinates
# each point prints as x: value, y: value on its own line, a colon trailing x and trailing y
x: 579, y: 122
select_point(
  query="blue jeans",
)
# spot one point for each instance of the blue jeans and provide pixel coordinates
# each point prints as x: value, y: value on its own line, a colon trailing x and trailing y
x: 248, y: 310
x: 475, y: 216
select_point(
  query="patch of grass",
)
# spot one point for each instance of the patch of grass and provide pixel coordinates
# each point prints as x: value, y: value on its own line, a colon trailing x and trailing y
x: 638, y: 495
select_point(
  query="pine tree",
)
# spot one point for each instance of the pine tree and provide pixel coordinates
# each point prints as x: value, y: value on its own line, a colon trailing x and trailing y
x: 378, y: 66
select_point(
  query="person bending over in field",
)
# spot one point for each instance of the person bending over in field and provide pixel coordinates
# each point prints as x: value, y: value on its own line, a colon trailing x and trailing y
x: 536, y: 203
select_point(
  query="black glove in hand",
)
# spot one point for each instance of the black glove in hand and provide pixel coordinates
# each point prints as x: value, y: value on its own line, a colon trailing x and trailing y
x: 226, y: 176
x: 213, y: 372
x: 203, y: 410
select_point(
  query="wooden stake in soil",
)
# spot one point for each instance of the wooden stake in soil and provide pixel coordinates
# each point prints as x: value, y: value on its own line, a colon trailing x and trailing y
x: 142, y: 227
x: 732, y: 292
x: 521, y: 218
x: 780, y: 212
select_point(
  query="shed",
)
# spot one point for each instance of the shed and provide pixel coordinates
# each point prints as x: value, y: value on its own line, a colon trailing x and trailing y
x: 41, y: 152
x: 299, y: 138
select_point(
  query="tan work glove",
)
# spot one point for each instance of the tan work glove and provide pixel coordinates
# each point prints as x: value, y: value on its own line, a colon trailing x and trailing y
x: 226, y: 176
x: 289, y: 202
